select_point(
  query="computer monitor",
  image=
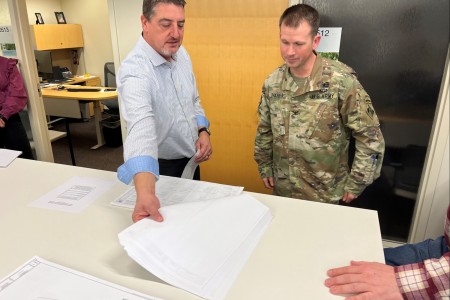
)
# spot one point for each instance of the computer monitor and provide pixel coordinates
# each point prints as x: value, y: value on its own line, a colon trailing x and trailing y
x: 44, y: 63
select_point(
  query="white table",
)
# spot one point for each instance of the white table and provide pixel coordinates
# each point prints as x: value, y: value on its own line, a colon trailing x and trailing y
x: 302, y: 242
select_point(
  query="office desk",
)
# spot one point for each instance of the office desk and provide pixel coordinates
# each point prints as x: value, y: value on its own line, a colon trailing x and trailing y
x: 58, y: 102
x: 303, y: 240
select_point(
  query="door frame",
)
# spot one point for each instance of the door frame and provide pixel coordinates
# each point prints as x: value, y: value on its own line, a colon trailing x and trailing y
x: 36, y: 112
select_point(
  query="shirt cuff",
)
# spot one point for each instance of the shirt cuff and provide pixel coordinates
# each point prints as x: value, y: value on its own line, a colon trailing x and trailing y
x: 265, y: 172
x: 354, y: 187
x: 135, y: 165
x: 202, y: 121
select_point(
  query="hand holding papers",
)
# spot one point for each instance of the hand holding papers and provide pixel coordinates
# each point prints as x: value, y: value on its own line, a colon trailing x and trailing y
x: 201, y: 246
x: 173, y: 190
x: 190, y: 167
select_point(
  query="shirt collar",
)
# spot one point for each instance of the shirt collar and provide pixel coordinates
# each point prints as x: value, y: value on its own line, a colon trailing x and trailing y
x: 155, y: 58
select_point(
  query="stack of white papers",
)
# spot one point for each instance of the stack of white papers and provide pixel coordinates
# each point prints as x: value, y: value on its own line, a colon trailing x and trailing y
x: 201, y: 246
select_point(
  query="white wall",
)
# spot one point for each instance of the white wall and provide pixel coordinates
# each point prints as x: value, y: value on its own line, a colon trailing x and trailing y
x: 4, y: 13
x: 94, y: 19
x: 434, y: 194
x: 441, y: 199
x: 46, y: 8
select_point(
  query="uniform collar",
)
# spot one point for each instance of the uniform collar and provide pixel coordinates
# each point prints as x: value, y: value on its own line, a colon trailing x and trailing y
x: 317, y: 72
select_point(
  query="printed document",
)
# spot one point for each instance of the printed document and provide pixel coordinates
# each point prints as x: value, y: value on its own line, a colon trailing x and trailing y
x: 74, y: 195
x: 174, y: 190
x: 41, y: 279
x: 201, y: 246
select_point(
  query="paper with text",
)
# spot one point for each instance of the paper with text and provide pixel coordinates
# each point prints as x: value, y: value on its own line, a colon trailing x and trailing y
x: 174, y: 190
x: 74, y: 195
x: 41, y: 279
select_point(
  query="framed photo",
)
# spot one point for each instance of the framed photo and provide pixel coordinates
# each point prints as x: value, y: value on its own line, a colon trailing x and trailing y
x: 60, y: 17
x: 39, y: 19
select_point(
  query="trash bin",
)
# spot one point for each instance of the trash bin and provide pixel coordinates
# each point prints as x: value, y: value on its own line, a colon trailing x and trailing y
x: 112, y: 131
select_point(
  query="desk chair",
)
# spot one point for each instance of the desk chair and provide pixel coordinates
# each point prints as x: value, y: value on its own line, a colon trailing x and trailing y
x: 110, y: 81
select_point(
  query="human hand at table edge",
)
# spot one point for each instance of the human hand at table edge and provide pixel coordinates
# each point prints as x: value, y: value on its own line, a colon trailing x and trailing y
x: 268, y: 183
x: 365, y: 280
x: 147, y: 203
x: 349, y: 197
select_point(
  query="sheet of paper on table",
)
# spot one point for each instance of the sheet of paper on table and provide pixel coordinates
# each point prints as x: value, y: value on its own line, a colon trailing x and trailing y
x: 8, y: 156
x: 74, y: 195
x: 41, y: 279
x: 173, y: 190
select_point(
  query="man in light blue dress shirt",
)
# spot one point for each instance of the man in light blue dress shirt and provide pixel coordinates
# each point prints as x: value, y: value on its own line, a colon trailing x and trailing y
x: 166, y: 124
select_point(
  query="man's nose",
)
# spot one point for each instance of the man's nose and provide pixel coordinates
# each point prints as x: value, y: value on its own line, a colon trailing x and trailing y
x: 290, y: 50
x: 175, y: 32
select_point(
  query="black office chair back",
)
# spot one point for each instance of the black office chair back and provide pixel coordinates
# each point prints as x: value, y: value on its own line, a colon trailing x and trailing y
x: 110, y: 74
x: 110, y: 81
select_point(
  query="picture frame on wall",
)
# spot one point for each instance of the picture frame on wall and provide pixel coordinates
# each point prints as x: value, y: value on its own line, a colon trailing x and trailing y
x: 60, y: 17
x: 39, y: 19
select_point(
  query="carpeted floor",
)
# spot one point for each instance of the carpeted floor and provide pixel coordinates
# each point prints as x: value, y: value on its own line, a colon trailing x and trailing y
x: 83, y: 138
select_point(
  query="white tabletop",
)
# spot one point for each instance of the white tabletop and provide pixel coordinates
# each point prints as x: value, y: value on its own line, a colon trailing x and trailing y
x: 303, y: 240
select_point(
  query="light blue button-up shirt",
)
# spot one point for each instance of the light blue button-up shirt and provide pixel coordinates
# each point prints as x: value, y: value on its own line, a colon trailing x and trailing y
x: 161, y: 107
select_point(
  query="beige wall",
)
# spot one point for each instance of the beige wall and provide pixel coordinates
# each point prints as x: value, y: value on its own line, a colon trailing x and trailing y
x: 4, y: 13
x: 93, y: 17
x: 46, y: 8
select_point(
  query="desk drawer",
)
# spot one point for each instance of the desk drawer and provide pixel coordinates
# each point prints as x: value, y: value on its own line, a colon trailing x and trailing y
x: 93, y: 82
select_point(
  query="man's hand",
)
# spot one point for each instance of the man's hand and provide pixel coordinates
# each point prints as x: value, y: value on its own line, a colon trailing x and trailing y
x: 268, y: 183
x: 2, y: 123
x: 368, y: 280
x: 147, y: 204
x: 203, y: 146
x: 348, y: 197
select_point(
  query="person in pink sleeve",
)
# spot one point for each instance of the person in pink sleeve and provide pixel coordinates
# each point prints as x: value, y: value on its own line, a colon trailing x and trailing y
x: 13, y: 98
x: 425, y: 276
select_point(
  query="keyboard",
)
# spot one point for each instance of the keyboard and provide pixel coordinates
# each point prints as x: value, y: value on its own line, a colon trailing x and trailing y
x: 59, y: 81
x: 71, y: 89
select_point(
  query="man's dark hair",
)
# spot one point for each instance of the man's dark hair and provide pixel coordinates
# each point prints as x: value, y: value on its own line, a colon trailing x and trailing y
x: 148, y: 6
x: 295, y: 14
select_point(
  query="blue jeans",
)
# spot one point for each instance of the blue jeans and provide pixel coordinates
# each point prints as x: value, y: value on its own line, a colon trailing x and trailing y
x: 415, y: 253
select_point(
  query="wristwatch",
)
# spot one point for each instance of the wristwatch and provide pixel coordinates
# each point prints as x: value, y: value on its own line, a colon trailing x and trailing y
x: 204, y: 129
x: 4, y: 119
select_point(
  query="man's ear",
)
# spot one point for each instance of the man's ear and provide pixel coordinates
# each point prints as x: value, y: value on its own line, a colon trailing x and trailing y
x: 316, y: 41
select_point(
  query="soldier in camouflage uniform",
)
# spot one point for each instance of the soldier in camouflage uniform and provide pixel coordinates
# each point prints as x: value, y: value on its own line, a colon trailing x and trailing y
x: 309, y: 108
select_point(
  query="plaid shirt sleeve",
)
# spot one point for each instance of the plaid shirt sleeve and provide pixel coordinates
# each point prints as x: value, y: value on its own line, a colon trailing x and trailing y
x: 429, y: 279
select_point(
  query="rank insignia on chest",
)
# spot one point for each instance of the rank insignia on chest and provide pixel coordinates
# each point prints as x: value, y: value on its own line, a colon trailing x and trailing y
x: 324, y: 87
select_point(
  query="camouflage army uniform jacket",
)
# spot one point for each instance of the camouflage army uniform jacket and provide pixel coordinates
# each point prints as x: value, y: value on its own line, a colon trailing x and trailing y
x: 303, y: 134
